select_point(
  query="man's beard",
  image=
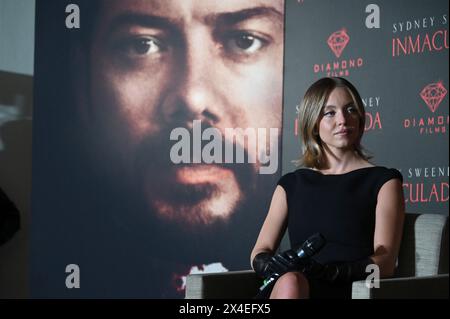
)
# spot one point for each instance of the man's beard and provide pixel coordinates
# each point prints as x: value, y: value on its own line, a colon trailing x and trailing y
x: 226, y: 240
x: 182, y: 239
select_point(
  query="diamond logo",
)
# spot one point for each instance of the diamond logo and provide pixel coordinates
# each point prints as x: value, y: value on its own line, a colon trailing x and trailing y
x: 337, y: 42
x: 433, y: 94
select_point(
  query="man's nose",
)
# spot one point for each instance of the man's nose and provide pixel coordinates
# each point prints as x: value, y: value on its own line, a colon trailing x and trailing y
x: 193, y: 96
x: 194, y: 92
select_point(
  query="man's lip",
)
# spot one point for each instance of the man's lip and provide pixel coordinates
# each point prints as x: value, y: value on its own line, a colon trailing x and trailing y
x: 200, y: 174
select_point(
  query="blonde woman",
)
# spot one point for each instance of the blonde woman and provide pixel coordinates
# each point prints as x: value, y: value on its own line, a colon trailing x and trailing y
x: 357, y: 206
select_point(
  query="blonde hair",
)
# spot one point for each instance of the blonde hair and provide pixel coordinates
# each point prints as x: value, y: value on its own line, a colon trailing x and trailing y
x: 309, y: 116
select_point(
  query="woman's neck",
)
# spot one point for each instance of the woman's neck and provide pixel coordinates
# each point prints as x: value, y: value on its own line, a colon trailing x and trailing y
x: 342, y: 162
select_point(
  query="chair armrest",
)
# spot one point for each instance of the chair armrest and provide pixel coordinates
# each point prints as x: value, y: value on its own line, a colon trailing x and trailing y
x: 404, y: 287
x: 225, y: 285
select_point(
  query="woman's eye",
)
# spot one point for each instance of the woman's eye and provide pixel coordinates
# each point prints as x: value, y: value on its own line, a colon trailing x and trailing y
x: 246, y: 43
x: 329, y: 113
x: 352, y: 109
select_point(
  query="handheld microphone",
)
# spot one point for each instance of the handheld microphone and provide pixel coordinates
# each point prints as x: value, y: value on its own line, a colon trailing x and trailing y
x: 310, y: 247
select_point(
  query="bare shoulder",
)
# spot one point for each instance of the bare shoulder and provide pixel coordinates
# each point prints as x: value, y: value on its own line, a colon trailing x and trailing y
x: 279, y: 196
x: 391, y: 195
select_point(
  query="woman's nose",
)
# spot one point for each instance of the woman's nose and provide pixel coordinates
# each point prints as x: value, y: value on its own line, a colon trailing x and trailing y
x: 341, y: 118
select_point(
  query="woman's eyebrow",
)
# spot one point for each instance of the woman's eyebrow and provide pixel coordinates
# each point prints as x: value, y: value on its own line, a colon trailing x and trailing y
x: 331, y: 106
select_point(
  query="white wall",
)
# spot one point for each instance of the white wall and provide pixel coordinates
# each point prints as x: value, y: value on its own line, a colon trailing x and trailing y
x: 17, y: 36
x: 17, y: 19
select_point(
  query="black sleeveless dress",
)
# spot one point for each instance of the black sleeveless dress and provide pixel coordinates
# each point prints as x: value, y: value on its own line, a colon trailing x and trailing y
x: 342, y: 208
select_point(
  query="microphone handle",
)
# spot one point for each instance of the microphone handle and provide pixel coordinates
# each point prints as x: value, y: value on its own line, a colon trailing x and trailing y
x: 271, y: 280
x: 268, y: 282
x: 266, y: 288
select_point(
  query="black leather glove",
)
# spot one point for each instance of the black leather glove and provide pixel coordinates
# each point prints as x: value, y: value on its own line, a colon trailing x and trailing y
x: 266, y: 265
x: 338, y: 272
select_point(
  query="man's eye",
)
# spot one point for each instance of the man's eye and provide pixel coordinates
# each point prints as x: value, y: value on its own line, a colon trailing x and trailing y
x: 140, y: 46
x: 244, y: 43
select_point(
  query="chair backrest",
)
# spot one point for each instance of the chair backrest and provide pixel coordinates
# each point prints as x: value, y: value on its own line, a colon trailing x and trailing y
x: 424, y: 249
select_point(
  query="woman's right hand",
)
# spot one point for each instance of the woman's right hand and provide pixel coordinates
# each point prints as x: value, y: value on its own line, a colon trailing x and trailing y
x: 265, y: 264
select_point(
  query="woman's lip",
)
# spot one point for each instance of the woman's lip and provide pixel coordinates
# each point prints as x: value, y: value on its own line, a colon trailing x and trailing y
x: 200, y: 174
x: 344, y: 132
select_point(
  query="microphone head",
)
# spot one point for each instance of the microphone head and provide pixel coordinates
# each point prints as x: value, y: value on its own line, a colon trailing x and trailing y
x: 313, y: 244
